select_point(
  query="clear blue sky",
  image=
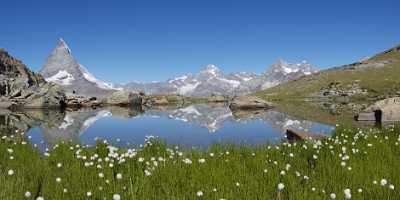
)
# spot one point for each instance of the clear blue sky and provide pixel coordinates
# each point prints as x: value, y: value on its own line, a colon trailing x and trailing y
x: 150, y: 40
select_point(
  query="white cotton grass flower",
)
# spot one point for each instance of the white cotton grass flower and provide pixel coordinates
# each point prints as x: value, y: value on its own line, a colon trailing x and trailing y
x: 202, y: 160
x: 59, y: 165
x: 58, y: 180
x: 391, y: 186
x: 65, y: 190
x: 332, y: 196
x: 116, y: 197
x: 101, y: 175
x: 199, y: 194
x: 347, y: 193
x: 39, y: 198
x: 28, y: 194
x: 187, y: 161
x: 383, y: 182
x: 10, y: 172
x: 119, y: 176
x: 147, y: 172
x: 281, y: 186
x: 89, y: 194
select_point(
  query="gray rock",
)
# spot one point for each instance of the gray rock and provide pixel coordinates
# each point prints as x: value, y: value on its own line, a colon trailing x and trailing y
x: 367, y: 116
x: 249, y: 102
x: 387, y: 110
x: 123, y: 98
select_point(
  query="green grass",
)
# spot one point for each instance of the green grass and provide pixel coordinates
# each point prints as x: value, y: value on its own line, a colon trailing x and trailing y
x: 379, y: 81
x: 235, y: 172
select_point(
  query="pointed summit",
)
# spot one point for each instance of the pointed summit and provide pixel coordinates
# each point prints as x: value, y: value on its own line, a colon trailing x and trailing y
x: 63, y: 69
x: 62, y: 45
x: 61, y: 42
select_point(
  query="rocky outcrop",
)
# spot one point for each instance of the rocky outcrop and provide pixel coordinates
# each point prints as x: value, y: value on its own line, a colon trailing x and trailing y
x: 22, y: 88
x: 249, y: 102
x: 123, y: 98
x: 165, y: 100
x: 82, y: 101
x: 157, y: 101
x: 387, y: 110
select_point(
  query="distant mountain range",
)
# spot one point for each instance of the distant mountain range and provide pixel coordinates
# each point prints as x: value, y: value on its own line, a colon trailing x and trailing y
x: 62, y: 68
x: 211, y: 80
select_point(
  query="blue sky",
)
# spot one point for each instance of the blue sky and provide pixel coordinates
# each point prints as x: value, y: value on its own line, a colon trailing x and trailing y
x: 151, y: 40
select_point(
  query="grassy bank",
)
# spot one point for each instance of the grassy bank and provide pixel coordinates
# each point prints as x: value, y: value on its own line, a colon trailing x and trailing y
x: 364, y: 161
x: 380, y: 80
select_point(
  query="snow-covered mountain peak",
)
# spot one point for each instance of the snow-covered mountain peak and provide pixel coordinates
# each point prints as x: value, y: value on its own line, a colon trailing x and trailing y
x: 281, y: 66
x: 212, y: 69
x: 63, y: 69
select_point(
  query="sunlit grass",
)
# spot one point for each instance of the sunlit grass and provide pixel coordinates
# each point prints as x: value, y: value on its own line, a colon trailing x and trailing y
x: 354, y: 163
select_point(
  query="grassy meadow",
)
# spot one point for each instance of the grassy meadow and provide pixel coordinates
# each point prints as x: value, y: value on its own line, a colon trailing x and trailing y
x: 352, y: 164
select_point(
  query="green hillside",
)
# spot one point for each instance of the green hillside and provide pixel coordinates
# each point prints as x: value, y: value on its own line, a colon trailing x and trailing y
x: 378, y: 77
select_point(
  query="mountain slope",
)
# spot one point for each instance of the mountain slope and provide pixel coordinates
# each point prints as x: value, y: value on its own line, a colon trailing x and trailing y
x: 211, y: 80
x: 63, y: 69
x: 371, y: 79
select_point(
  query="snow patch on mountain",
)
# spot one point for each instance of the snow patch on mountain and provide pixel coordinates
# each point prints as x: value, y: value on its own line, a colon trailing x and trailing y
x: 62, y: 78
x: 101, y: 84
x: 188, y: 88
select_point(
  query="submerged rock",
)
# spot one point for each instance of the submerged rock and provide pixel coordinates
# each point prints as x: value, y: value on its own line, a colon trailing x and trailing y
x: 294, y: 135
x: 249, y: 102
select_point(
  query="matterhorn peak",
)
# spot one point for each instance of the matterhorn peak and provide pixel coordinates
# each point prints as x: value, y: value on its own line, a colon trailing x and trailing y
x: 63, y: 69
x: 63, y: 45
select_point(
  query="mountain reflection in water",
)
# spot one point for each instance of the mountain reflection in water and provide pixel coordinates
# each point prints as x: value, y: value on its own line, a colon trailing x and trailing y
x: 198, y: 125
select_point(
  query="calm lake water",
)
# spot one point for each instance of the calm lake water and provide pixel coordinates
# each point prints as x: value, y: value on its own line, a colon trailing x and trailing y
x: 194, y: 125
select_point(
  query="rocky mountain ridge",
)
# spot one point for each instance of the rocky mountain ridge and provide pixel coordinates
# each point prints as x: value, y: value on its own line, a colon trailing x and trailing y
x: 211, y: 80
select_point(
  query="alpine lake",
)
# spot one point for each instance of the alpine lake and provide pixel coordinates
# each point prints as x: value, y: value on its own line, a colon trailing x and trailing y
x: 197, y: 126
